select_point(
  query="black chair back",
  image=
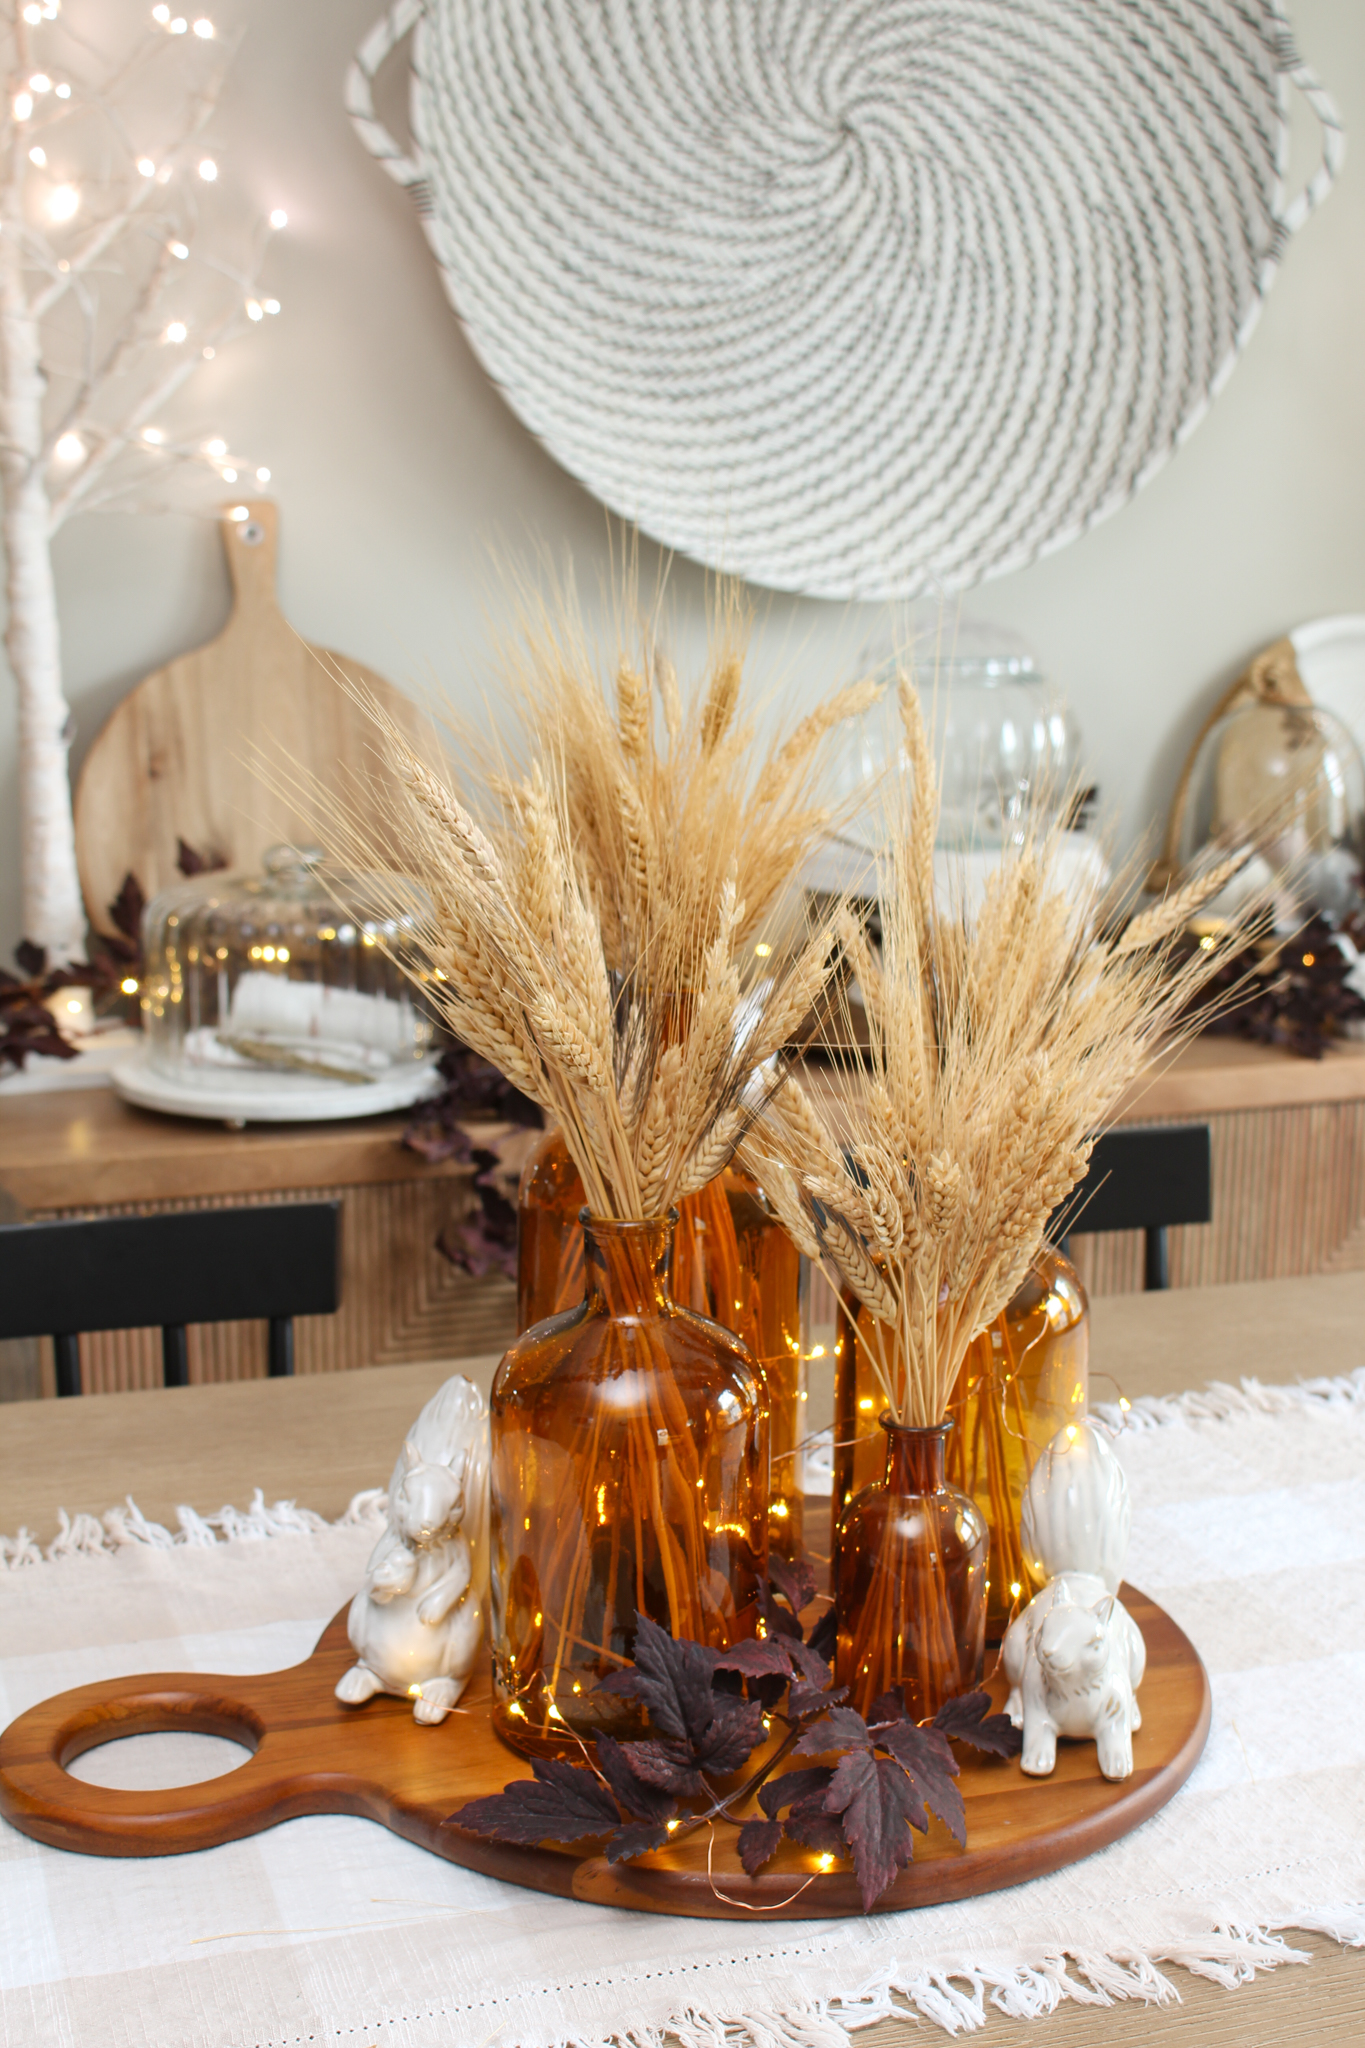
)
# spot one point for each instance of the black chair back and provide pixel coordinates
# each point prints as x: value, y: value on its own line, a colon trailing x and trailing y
x: 1144, y: 1177
x: 275, y: 1261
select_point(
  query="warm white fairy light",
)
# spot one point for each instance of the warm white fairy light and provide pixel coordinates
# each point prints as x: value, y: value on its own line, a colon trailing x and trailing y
x: 69, y: 448
x: 161, y: 14
x: 204, y: 28
x: 40, y: 82
x: 23, y: 105
x: 229, y: 476
x: 208, y: 170
x: 178, y: 250
x: 38, y: 155
x: 208, y: 354
x: 33, y: 15
x: 146, y: 168
x: 255, y: 310
x: 215, y: 449
x: 271, y: 305
x: 263, y: 476
x: 153, y: 436
x: 63, y: 92
x: 279, y: 218
x: 175, y: 332
x: 64, y: 203
x: 179, y: 25
x: 239, y: 513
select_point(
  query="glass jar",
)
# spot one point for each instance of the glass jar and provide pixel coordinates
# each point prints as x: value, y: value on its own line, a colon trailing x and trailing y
x: 248, y: 975
x: 910, y: 1580
x: 733, y: 1262
x: 629, y: 1476
x: 1021, y: 1381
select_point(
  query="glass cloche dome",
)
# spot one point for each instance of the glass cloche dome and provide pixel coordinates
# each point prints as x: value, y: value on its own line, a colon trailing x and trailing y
x: 257, y: 982
x: 1290, y: 777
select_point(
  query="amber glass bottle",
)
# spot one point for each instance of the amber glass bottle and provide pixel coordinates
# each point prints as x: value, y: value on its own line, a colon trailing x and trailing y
x: 910, y: 1579
x: 630, y: 1476
x: 733, y: 1262
x: 1022, y: 1379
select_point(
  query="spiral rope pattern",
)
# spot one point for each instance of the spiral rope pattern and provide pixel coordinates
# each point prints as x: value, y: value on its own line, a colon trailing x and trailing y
x: 854, y: 297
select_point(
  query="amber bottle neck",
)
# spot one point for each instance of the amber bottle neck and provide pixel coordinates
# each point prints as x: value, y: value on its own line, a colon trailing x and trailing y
x: 914, y: 1457
x: 628, y: 1267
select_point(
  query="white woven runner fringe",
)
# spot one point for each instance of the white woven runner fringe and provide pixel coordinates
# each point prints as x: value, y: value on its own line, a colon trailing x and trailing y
x: 89, y: 1536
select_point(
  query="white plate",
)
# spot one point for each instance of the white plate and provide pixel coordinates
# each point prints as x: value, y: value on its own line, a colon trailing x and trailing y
x: 272, y: 1098
x: 1331, y: 659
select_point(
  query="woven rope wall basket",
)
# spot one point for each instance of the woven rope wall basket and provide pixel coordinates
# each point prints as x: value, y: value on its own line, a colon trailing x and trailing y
x: 853, y: 297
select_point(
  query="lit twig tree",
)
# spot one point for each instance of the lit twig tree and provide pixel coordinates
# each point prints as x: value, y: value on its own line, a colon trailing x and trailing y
x: 112, y: 294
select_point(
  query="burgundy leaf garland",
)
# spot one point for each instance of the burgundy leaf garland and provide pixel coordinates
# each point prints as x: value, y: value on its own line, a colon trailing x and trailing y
x: 709, y: 1711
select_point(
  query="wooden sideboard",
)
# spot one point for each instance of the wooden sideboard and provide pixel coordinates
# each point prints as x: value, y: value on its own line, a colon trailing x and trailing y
x: 85, y: 1152
x: 1288, y: 1198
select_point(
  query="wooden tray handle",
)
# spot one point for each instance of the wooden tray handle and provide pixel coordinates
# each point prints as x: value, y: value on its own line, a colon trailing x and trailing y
x: 272, y: 1784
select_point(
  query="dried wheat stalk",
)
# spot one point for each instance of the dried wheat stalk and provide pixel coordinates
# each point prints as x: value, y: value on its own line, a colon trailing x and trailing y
x: 587, y: 926
x: 999, y: 1047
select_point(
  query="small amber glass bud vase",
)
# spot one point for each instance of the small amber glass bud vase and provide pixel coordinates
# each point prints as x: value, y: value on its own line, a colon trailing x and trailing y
x: 910, y: 1586
x: 733, y: 1262
x: 630, y: 1476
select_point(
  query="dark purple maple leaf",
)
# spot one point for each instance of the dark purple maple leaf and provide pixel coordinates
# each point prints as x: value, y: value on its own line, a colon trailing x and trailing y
x: 562, y: 1803
x: 642, y: 1801
x: 794, y: 1786
x: 968, y: 1719
x: 824, y: 1637
x: 757, y: 1657
x: 840, y: 1728
x: 878, y: 1806
x: 805, y: 1700
x: 794, y: 1580
x: 758, y: 1841
x: 734, y: 1733
x: 925, y: 1755
x: 672, y: 1681
x: 636, y: 1840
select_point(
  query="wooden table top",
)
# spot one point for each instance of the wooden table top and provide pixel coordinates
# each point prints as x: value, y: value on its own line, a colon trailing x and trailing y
x: 86, y: 1147
x: 319, y: 1440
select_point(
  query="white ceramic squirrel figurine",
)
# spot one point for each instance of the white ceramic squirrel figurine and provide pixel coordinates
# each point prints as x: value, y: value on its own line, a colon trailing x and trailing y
x: 1075, y: 1657
x: 417, y: 1622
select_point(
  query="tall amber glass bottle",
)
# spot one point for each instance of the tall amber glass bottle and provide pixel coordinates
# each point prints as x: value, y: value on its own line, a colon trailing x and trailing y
x: 630, y: 1476
x: 733, y: 1262
x: 1022, y: 1379
x: 910, y: 1579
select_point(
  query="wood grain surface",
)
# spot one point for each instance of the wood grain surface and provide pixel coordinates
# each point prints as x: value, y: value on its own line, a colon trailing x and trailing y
x: 313, y: 1755
x: 173, y: 760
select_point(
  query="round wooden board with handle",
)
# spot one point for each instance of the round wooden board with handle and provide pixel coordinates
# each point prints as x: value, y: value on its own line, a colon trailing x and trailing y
x: 312, y: 1755
x: 174, y: 760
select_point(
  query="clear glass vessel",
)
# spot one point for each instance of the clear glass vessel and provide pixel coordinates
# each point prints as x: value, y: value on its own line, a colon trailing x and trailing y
x: 733, y: 1262
x: 1289, y: 777
x: 1021, y: 1381
x: 629, y: 1476
x: 248, y: 974
x: 910, y: 1579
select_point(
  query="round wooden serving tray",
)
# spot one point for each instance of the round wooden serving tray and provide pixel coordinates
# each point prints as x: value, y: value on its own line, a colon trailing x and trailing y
x: 312, y: 1755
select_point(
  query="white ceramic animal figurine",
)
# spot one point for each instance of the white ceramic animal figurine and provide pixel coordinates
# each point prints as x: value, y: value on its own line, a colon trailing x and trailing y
x: 417, y: 1621
x: 1075, y: 1656
x: 1074, y: 1659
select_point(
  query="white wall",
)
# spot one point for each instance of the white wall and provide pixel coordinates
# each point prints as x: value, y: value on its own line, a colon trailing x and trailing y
x: 396, y: 464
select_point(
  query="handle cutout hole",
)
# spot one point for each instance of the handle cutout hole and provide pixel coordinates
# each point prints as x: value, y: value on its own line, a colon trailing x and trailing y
x: 158, y: 1763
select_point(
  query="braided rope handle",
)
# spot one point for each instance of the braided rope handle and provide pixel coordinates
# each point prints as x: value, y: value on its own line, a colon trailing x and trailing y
x: 358, y: 96
x: 1333, y: 143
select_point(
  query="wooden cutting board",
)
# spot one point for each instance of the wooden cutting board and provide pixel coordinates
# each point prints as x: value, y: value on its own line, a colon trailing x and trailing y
x: 312, y: 1755
x: 173, y: 761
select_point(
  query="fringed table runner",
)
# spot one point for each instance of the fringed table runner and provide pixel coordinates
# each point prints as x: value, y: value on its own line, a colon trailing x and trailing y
x: 1249, y: 1527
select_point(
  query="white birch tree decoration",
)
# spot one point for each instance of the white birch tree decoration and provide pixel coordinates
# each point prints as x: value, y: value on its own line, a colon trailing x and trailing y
x: 114, y: 289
